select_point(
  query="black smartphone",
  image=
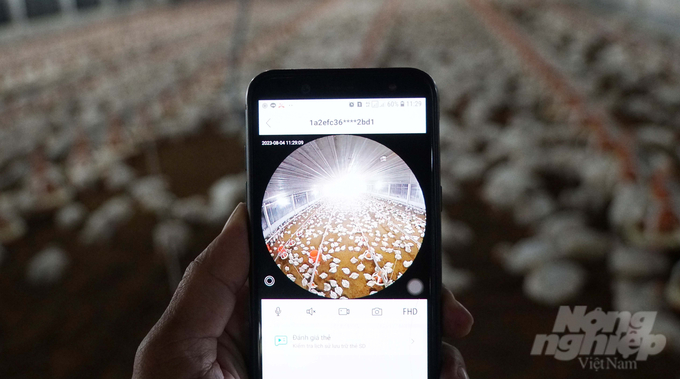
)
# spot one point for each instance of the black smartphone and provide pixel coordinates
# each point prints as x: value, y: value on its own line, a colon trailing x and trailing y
x: 344, y: 200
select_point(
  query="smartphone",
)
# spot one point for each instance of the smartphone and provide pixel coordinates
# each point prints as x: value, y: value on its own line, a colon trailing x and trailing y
x: 344, y: 200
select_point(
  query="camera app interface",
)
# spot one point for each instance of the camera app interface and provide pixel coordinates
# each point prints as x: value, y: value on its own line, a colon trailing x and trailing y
x: 343, y: 223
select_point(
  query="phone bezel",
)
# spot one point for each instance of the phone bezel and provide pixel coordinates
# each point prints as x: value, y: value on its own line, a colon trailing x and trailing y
x: 349, y: 83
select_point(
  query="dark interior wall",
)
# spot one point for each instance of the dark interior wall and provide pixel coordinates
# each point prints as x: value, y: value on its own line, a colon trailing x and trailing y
x: 4, y: 12
x: 36, y: 8
x: 84, y: 4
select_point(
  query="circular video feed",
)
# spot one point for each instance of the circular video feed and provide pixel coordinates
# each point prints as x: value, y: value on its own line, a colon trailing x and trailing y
x: 343, y: 217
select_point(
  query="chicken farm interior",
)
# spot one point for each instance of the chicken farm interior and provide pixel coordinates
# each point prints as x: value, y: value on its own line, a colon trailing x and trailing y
x: 121, y: 157
x: 343, y: 187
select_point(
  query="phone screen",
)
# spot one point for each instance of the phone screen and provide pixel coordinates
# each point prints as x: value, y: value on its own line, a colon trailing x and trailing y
x: 344, y: 252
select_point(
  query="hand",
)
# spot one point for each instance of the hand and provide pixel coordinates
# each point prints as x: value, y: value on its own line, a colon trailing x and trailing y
x: 204, y: 331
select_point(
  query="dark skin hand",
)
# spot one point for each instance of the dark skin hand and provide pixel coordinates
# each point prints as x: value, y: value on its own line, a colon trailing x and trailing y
x: 204, y: 331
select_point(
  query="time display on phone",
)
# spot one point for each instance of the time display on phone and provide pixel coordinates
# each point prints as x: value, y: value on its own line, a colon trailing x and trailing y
x: 282, y: 142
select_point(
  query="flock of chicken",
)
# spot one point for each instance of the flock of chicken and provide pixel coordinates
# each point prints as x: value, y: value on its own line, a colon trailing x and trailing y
x: 74, y: 111
x: 589, y: 192
x: 76, y: 107
x: 340, y: 250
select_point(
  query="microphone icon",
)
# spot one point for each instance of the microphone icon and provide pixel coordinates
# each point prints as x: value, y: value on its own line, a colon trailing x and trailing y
x: 277, y: 311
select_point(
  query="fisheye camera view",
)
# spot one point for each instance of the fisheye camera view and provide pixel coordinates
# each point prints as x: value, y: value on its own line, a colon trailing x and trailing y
x: 343, y: 216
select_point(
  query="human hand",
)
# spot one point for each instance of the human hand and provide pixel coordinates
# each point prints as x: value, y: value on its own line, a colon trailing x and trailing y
x: 204, y: 331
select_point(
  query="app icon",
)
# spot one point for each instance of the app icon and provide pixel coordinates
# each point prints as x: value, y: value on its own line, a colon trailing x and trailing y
x: 280, y: 340
x: 343, y: 311
x: 376, y: 311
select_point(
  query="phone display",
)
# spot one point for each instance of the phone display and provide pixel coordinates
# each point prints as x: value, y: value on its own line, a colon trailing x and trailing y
x: 344, y: 206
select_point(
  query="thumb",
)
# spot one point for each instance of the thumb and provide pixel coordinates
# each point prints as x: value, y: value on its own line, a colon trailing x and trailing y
x: 206, y: 296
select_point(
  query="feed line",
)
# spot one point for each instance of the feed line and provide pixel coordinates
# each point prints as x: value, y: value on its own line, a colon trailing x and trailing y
x: 319, y: 252
x: 375, y: 37
x: 234, y: 57
x: 97, y: 61
x: 608, y: 133
x: 273, y: 235
x: 289, y: 239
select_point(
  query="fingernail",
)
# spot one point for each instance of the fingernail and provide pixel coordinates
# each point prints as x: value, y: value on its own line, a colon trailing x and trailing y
x: 236, y: 210
x: 462, y: 374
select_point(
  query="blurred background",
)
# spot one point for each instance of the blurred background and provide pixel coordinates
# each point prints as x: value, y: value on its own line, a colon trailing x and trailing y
x: 121, y: 156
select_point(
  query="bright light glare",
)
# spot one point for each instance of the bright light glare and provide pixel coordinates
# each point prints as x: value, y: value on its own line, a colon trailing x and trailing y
x: 345, y: 186
x: 283, y: 201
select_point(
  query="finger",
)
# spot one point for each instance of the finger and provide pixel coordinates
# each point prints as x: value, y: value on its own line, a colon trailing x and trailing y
x: 238, y: 327
x: 457, y: 320
x: 453, y: 365
x: 232, y: 349
x: 207, y: 295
